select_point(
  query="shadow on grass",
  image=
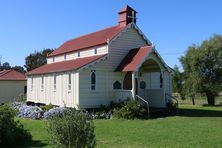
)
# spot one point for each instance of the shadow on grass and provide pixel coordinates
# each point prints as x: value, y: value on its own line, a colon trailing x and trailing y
x: 217, y: 105
x: 198, y: 113
x: 35, y: 143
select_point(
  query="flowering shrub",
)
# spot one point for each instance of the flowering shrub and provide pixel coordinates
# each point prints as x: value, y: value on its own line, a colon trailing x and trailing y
x: 71, y: 129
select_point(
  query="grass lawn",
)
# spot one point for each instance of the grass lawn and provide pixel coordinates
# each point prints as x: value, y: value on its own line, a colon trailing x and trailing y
x: 193, y: 126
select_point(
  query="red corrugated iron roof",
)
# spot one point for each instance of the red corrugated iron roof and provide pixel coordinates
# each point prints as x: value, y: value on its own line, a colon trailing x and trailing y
x: 11, y: 75
x: 134, y: 58
x: 89, y: 40
x: 65, y: 65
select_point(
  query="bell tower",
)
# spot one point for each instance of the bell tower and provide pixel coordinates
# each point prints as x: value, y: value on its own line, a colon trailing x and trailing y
x: 126, y: 16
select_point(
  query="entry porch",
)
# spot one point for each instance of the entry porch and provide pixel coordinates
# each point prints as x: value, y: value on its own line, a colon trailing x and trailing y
x: 146, y: 79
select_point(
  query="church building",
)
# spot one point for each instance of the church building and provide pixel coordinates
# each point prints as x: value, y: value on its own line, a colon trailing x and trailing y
x: 111, y: 64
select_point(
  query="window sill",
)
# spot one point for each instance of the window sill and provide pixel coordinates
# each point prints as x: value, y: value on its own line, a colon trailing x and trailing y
x: 93, y: 91
x: 152, y: 89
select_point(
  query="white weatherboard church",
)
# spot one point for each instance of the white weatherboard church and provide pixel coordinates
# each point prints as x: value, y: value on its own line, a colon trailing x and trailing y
x: 112, y: 64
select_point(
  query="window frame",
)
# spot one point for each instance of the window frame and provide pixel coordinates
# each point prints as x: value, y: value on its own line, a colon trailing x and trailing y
x: 42, y: 82
x: 161, y: 81
x: 142, y: 83
x: 32, y: 83
x: 65, y: 57
x: 54, y: 82
x: 69, y: 81
x: 117, y: 81
x: 95, y: 51
x: 91, y: 84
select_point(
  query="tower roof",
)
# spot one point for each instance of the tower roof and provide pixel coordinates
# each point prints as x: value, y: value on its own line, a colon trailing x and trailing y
x: 126, y: 8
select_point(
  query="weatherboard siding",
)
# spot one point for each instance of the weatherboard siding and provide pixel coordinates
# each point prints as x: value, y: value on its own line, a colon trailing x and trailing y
x: 61, y: 96
x: 104, y: 92
x: 168, y: 84
x: 87, y: 53
x: 11, y: 90
x: 59, y: 58
x: 102, y: 50
x: 74, y: 55
x: 119, y: 48
x: 155, y: 97
x: 71, y: 56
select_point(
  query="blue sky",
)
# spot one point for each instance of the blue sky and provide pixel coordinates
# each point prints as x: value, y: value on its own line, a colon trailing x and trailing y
x: 173, y: 25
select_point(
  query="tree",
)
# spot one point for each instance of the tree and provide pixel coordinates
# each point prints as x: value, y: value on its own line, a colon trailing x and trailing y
x: 203, y: 68
x: 178, y: 81
x: 37, y: 59
x: 5, y: 66
x: 191, y: 79
x: 19, y: 69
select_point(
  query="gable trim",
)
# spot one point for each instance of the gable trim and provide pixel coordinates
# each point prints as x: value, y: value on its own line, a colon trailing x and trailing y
x: 161, y: 59
x: 161, y: 63
x: 132, y: 26
x: 136, y: 57
x: 142, y: 34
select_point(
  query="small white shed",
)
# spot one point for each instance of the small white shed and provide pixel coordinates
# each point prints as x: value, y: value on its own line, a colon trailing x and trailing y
x: 12, y: 85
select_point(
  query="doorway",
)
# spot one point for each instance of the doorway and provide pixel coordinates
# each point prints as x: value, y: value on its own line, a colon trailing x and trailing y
x: 127, y: 82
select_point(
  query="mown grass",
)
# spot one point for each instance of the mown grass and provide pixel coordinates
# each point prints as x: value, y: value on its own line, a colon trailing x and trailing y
x: 193, y: 126
x: 38, y: 130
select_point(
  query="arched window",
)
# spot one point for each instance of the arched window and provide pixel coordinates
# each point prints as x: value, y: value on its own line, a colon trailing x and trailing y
x: 117, y: 85
x: 161, y: 81
x: 93, y: 80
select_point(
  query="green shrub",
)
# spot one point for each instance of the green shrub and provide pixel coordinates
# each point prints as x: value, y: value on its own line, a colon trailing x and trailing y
x: 105, y: 112
x: 129, y: 110
x: 101, y: 112
x: 22, y: 98
x: 71, y: 129
x: 172, y: 107
x: 47, y: 107
x: 11, y: 131
x: 114, y: 105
